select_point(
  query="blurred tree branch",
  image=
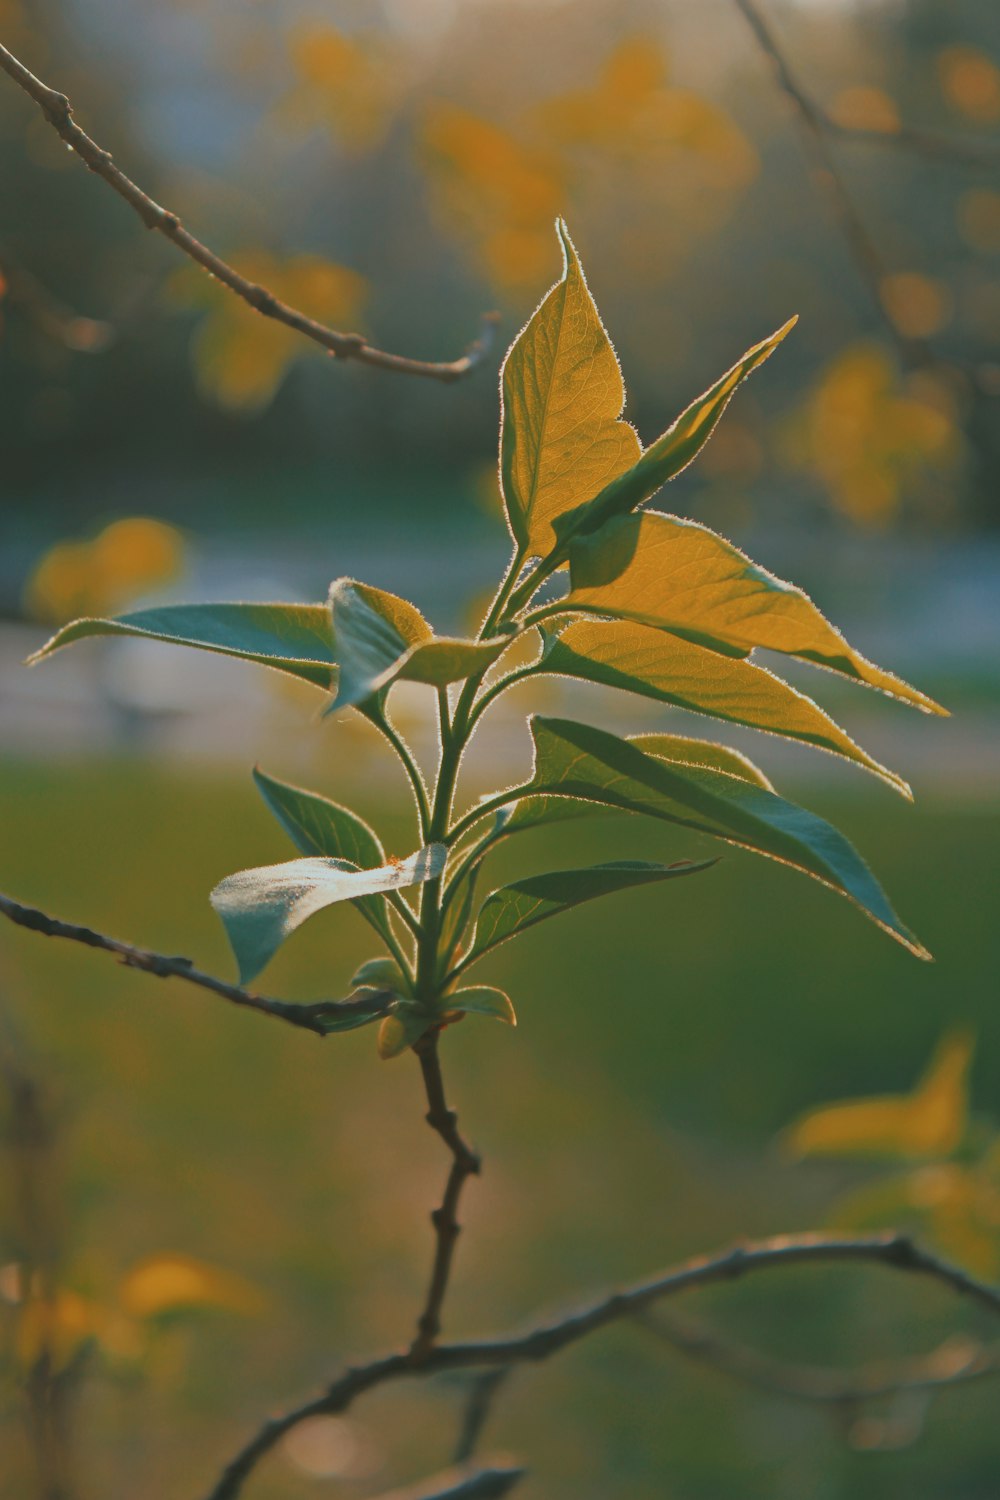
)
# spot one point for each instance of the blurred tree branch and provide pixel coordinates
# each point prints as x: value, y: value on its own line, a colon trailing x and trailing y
x: 57, y: 110
x: 953, y: 1363
x: 457, y: 1484
x: 891, y: 1250
x: 320, y: 1017
x: 817, y: 129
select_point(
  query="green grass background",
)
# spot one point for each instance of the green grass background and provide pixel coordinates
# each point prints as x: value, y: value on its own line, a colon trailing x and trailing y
x: 629, y: 1121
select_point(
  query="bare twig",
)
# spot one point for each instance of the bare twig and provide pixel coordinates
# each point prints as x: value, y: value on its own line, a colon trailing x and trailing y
x: 891, y: 1250
x: 482, y: 1392
x: 465, y: 1163
x: 320, y: 1017
x: 827, y: 174
x: 957, y: 150
x: 57, y: 110
x: 952, y: 1363
x: 460, y: 1484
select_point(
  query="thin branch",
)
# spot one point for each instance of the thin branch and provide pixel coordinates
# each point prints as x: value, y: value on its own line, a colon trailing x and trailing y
x: 914, y: 138
x: 57, y: 110
x: 483, y: 1391
x: 813, y: 121
x: 460, y: 1484
x: 948, y: 1365
x: 896, y: 1252
x: 465, y: 1163
x: 316, y: 1017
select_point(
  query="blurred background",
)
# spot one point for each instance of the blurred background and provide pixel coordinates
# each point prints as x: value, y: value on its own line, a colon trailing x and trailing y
x: 226, y: 1212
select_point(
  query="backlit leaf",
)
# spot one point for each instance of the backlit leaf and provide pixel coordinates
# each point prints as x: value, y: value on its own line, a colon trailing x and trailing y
x: 664, y: 459
x: 641, y: 659
x: 381, y: 973
x: 516, y: 907
x: 580, y: 761
x: 562, y: 439
x: 260, y: 908
x: 400, y: 1030
x: 382, y: 639
x: 930, y: 1121
x: 660, y: 570
x: 685, y: 751
x: 481, y: 1000
x: 316, y: 825
x: 294, y: 638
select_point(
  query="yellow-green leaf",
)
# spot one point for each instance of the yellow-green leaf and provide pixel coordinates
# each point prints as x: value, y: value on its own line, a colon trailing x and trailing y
x: 682, y: 750
x: 930, y: 1121
x: 663, y: 571
x: 640, y: 659
x: 382, y: 639
x: 481, y: 1000
x: 562, y: 438
x: 294, y: 638
x: 664, y: 459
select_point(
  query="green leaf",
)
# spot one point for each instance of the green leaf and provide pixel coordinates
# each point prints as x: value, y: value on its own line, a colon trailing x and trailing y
x: 481, y: 1000
x: 260, y: 908
x: 400, y: 1030
x: 561, y: 438
x: 578, y: 760
x: 523, y: 904
x: 294, y: 638
x: 664, y: 459
x: 687, y: 752
x: 658, y: 665
x: 382, y: 638
x: 682, y: 577
x: 380, y: 1001
x: 382, y: 973
x: 318, y: 826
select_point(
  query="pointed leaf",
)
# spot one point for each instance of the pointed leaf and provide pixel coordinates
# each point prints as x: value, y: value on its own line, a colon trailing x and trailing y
x: 516, y: 907
x: 316, y: 825
x: 562, y: 439
x: 294, y: 638
x: 382, y: 638
x: 382, y: 973
x: 664, y: 459
x: 930, y: 1121
x: 688, y: 752
x: 262, y: 907
x: 481, y: 1000
x: 658, y: 665
x: 682, y: 577
x: 578, y: 760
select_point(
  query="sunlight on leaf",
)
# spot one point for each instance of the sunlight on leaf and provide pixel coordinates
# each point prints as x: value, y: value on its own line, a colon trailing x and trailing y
x: 675, y: 574
x: 262, y: 907
x: 655, y: 664
x: 561, y: 434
